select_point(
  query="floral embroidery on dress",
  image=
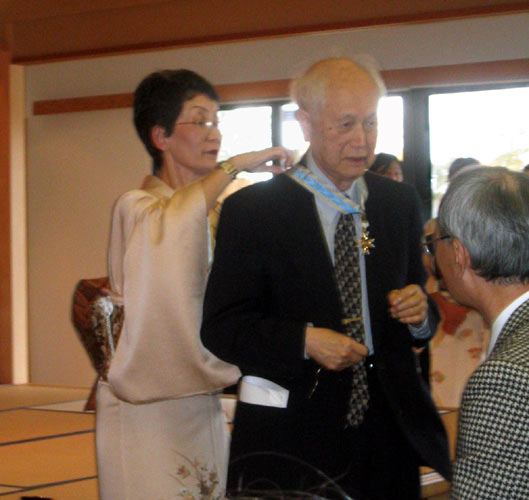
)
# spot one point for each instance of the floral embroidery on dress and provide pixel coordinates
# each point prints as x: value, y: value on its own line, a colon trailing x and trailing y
x: 437, y: 376
x: 206, y: 481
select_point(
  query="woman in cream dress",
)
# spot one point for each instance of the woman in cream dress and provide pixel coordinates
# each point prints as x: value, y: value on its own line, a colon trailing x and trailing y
x: 160, y: 430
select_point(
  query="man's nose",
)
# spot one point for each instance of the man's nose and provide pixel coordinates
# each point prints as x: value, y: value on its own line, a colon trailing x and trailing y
x: 358, y: 135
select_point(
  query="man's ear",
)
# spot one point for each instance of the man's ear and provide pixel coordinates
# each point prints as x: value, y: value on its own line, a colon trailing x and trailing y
x: 304, y: 121
x: 461, y: 256
x: 158, y: 137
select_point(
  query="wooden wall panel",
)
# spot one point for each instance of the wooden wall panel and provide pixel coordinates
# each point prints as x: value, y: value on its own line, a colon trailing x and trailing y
x: 6, y: 357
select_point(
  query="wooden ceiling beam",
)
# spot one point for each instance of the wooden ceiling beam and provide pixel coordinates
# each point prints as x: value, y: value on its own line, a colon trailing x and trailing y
x: 44, y: 30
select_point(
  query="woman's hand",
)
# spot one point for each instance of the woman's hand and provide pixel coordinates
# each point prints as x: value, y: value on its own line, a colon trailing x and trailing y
x: 256, y: 161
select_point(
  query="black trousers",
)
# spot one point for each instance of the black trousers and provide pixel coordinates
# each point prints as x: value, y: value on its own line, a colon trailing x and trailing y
x: 308, y: 448
x: 383, y: 466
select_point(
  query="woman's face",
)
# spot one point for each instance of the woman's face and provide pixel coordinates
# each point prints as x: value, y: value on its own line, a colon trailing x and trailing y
x: 394, y: 172
x: 195, y: 142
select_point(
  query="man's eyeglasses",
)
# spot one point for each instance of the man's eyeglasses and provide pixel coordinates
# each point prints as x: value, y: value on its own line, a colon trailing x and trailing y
x: 429, y: 243
x: 202, y: 124
x: 429, y: 247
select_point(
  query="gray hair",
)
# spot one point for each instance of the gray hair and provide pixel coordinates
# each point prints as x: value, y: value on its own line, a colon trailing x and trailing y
x: 310, y: 89
x: 487, y: 209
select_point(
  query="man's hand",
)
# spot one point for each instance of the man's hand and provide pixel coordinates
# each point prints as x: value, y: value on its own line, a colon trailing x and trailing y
x: 333, y: 350
x: 408, y: 305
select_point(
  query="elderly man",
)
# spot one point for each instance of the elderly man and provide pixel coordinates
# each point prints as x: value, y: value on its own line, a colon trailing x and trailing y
x: 482, y: 251
x: 316, y: 294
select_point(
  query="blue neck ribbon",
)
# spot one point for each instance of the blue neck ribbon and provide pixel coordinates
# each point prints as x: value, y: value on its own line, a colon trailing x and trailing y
x: 318, y: 187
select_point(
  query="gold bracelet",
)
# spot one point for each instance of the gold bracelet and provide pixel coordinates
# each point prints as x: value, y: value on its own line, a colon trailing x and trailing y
x: 228, y: 168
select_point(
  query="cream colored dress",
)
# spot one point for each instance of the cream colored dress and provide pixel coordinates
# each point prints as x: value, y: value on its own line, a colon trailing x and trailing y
x: 160, y: 430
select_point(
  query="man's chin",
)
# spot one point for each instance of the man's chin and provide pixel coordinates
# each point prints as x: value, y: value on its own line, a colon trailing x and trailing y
x: 356, y: 169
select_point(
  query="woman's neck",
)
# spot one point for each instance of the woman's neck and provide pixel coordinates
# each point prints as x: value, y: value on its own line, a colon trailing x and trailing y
x: 177, y: 178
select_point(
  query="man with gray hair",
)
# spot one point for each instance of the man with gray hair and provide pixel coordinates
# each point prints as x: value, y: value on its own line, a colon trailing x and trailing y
x: 316, y: 294
x: 482, y: 252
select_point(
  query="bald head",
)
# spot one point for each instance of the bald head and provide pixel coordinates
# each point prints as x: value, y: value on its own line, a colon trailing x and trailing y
x: 328, y: 76
x: 338, y: 100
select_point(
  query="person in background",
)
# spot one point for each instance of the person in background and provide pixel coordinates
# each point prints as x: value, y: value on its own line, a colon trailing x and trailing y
x: 482, y: 251
x: 324, y: 344
x: 525, y: 170
x: 160, y: 430
x: 387, y: 165
x: 459, y: 164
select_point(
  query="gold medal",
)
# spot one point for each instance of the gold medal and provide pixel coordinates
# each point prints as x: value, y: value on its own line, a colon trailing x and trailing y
x: 365, y: 243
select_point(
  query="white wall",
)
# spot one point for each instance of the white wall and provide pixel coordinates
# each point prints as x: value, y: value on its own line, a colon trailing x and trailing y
x: 401, y: 46
x: 78, y: 163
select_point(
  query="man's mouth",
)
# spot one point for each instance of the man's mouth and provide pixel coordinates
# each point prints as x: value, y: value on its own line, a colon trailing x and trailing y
x: 356, y: 159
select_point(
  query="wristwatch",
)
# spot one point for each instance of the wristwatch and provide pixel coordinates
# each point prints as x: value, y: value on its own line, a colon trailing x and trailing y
x: 228, y: 168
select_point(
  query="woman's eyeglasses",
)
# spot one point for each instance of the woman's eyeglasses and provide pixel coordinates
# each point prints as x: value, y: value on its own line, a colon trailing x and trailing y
x: 202, y: 124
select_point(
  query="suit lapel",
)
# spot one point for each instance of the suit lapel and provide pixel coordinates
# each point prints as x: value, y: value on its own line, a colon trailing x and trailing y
x: 376, y: 261
x: 305, y: 235
x: 304, y: 238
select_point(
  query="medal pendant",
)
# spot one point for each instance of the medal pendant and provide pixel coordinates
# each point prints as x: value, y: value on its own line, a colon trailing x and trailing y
x: 366, y: 243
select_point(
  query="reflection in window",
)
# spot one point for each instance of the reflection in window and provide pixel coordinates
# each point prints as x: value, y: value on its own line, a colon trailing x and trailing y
x: 489, y: 125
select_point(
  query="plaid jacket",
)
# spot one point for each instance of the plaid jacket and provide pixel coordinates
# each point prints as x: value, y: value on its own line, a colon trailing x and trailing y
x: 492, y: 456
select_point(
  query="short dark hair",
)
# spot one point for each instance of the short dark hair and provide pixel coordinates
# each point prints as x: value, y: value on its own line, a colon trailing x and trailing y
x: 487, y: 209
x: 382, y: 163
x: 158, y: 100
x: 460, y: 163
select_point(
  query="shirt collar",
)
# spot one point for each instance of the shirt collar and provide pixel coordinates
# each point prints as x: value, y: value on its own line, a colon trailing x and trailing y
x: 357, y: 191
x: 502, y: 318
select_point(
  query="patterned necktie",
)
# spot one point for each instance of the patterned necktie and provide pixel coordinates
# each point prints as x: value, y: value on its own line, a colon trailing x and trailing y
x: 347, y: 271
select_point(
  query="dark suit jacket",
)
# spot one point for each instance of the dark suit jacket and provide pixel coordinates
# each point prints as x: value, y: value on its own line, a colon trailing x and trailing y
x: 272, y: 274
x: 492, y: 458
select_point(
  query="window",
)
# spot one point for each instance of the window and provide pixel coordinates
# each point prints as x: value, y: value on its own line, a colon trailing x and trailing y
x: 291, y: 134
x: 391, y: 126
x: 245, y: 128
x: 489, y: 125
